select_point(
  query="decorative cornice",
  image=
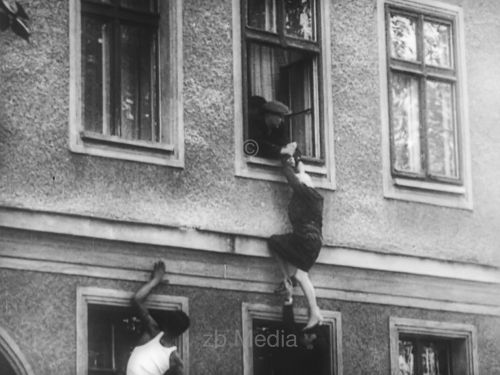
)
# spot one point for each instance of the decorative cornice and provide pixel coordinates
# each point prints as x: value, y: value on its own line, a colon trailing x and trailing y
x: 233, y: 243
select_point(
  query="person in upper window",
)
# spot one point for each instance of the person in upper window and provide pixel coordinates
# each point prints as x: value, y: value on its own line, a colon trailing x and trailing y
x: 156, y: 353
x: 266, y: 126
x: 297, y: 252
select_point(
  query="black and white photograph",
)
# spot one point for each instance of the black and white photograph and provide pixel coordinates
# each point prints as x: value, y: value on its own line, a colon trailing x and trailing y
x: 249, y: 187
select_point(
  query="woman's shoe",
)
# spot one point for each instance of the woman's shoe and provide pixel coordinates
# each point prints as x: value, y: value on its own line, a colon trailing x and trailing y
x: 282, y: 287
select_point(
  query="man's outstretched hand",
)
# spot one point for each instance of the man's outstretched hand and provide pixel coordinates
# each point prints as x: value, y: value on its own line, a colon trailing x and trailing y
x: 158, y: 271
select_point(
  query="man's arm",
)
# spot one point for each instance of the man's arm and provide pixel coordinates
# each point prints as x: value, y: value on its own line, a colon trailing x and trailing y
x: 176, y: 365
x: 268, y: 149
x: 139, y: 298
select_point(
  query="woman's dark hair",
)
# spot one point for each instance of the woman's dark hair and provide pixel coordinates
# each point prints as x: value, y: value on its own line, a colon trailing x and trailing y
x: 174, y: 323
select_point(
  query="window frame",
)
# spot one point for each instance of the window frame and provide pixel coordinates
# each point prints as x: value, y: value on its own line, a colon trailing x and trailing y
x: 13, y: 354
x: 121, y: 298
x: 423, y: 72
x: 442, y: 330
x: 170, y: 104
x: 261, y: 311
x: 441, y: 191
x: 323, y: 174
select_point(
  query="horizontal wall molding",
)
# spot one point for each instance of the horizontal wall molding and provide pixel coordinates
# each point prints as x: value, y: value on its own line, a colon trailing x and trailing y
x: 233, y: 243
x: 111, y: 259
x: 101, y: 248
x: 490, y: 305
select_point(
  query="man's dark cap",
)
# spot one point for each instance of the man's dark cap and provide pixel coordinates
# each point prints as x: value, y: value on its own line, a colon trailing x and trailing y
x: 276, y: 107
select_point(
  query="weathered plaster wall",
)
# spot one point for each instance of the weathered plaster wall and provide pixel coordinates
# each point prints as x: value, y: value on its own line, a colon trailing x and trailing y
x: 38, y: 311
x: 37, y: 170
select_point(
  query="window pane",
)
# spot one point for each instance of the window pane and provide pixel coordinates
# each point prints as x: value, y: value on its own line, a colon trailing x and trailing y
x: 435, y: 358
x: 262, y: 14
x: 405, y: 123
x: 95, y: 72
x: 301, y: 121
x: 441, y: 130
x: 299, y: 18
x: 286, y: 76
x: 137, y: 82
x: 437, y: 38
x: 141, y: 5
x: 403, y: 37
x: 406, y: 357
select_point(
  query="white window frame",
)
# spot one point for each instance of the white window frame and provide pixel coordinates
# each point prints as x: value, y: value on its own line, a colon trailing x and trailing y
x: 115, y: 297
x: 171, y: 104
x: 435, y: 193
x: 270, y: 170
x: 275, y: 313
x: 446, y: 330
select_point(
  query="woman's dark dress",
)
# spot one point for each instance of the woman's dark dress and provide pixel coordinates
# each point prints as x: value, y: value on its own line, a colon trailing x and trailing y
x: 305, y: 211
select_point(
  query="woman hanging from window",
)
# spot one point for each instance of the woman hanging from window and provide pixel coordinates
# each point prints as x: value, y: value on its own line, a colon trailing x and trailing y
x: 297, y: 252
x: 156, y: 351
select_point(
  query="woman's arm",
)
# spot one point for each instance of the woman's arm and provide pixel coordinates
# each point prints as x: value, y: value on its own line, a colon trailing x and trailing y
x: 139, y: 298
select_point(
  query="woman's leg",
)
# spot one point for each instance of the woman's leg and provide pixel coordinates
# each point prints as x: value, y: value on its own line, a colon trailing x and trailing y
x: 315, y: 316
x: 282, y: 265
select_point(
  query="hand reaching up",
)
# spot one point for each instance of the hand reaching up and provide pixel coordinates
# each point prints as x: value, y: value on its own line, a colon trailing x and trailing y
x: 289, y: 149
x: 158, y: 271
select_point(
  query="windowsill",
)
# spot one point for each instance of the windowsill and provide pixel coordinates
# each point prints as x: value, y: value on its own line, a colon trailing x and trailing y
x: 437, y: 194
x: 114, y: 147
x: 430, y: 186
x: 258, y: 161
x: 116, y: 141
x: 270, y: 170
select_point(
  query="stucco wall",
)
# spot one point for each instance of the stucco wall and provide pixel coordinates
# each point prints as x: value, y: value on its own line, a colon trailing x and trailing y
x: 38, y: 312
x: 37, y: 170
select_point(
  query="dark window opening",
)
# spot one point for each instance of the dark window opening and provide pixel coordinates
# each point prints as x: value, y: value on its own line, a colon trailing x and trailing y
x: 278, y: 350
x: 113, y: 332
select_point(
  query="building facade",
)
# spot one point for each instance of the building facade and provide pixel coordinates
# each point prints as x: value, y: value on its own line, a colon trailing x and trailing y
x: 126, y: 137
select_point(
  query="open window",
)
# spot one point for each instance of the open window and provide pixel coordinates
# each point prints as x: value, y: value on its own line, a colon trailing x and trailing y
x: 108, y: 329
x: 283, y: 54
x: 272, y: 346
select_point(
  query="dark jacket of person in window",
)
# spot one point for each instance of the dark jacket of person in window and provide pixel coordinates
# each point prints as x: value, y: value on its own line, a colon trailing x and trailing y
x: 266, y: 126
x: 310, y: 355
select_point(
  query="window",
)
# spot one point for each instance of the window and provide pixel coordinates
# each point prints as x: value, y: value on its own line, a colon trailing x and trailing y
x: 268, y: 344
x: 284, y: 52
x: 12, y: 360
x: 108, y: 329
x: 125, y: 80
x: 426, y: 102
x: 432, y: 348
